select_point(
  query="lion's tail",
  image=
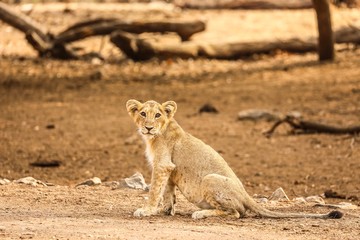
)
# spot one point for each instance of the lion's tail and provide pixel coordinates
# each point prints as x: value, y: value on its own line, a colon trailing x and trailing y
x: 263, y: 212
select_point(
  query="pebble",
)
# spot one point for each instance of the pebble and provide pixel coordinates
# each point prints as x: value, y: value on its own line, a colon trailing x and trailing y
x: 90, y: 182
x: 315, y: 199
x: 299, y: 200
x: 30, y: 181
x: 4, y: 181
x: 279, y: 195
x: 136, y: 181
x: 258, y: 114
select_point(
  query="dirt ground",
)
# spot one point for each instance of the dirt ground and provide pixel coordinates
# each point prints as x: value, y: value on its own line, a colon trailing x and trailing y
x: 74, y: 112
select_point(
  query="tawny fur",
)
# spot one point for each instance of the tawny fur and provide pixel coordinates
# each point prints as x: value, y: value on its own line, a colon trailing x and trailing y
x: 180, y: 160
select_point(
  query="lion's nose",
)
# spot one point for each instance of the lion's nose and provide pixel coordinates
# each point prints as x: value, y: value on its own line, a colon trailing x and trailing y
x: 149, y: 128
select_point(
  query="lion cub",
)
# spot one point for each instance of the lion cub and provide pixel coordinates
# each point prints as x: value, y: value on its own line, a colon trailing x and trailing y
x: 200, y: 173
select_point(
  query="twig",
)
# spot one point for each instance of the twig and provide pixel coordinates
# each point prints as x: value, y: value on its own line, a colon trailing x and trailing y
x: 311, y: 127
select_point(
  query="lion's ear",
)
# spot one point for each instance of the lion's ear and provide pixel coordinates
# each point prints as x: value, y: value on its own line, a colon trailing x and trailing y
x: 133, y: 106
x: 170, y: 108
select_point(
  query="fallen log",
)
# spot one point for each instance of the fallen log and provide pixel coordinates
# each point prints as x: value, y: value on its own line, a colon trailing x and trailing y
x: 143, y: 49
x: 139, y: 49
x: 185, y: 29
x: 244, y: 4
x: 350, y: 34
x: 299, y: 125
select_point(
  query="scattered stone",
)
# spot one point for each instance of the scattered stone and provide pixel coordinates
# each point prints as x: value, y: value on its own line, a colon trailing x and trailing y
x: 262, y: 200
x: 315, y: 199
x: 299, y: 200
x: 208, y: 108
x: 96, y: 61
x: 90, y: 182
x: 258, y: 114
x: 50, y: 126
x: 30, y: 181
x: 136, y: 181
x: 4, y: 181
x: 279, y: 195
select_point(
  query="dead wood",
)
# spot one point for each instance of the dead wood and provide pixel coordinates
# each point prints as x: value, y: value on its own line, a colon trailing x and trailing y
x: 103, y: 26
x: 350, y: 34
x: 142, y: 49
x: 301, y: 126
x: 244, y: 4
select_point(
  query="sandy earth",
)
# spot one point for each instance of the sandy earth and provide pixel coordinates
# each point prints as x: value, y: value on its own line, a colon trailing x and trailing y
x: 73, y: 112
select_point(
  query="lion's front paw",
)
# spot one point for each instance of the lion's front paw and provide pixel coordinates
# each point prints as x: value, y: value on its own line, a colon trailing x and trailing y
x: 145, y: 212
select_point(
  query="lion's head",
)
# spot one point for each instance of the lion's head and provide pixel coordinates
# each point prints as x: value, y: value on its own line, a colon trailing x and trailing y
x: 151, y: 117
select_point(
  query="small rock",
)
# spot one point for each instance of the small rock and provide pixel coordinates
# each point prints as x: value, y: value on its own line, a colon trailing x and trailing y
x: 90, y: 182
x: 299, y: 200
x: 262, y: 200
x: 208, y: 108
x: 258, y: 114
x: 96, y: 61
x: 136, y: 181
x: 4, y: 181
x: 30, y: 181
x: 50, y: 126
x: 27, y: 8
x: 315, y: 199
x: 279, y: 195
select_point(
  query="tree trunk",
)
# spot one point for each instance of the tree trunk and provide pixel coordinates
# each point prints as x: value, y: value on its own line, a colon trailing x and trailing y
x: 326, y: 38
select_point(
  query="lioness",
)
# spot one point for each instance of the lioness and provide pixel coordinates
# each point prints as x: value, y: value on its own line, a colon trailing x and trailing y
x: 201, y: 174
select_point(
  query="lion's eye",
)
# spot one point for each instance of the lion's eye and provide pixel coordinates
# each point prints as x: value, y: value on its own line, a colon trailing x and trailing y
x: 143, y: 114
x: 157, y: 115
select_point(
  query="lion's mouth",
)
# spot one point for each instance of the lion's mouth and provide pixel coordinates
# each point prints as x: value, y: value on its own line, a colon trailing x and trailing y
x: 147, y: 133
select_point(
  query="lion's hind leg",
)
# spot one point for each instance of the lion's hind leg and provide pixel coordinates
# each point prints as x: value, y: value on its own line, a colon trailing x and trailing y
x: 221, y: 198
